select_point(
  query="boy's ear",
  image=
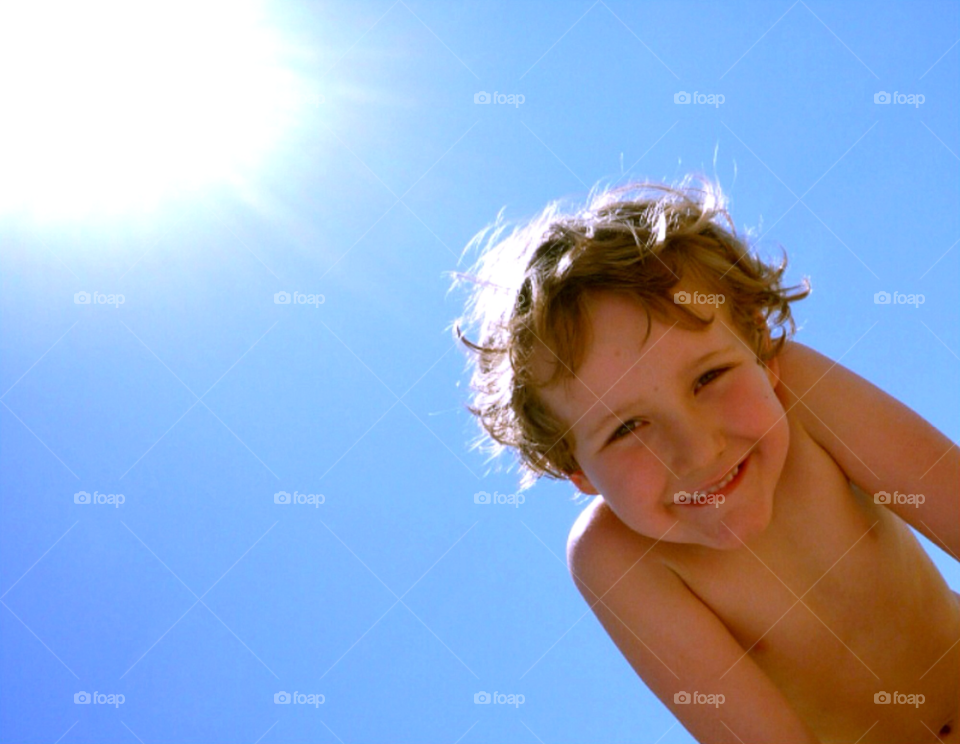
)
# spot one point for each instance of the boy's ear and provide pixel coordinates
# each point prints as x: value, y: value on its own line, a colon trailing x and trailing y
x: 583, y: 483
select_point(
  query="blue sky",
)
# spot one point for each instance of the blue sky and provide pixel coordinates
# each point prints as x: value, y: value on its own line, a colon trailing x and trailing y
x: 199, y: 398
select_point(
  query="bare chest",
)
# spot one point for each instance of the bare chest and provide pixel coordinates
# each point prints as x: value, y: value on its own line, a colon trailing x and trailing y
x: 837, y: 602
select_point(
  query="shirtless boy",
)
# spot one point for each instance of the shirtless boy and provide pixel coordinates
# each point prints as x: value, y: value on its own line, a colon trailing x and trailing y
x: 748, y: 548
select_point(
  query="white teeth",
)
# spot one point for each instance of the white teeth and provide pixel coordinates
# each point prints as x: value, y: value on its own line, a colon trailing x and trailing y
x: 725, y: 481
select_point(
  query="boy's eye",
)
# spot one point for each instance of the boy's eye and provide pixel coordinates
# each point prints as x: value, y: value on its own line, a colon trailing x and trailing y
x: 624, y: 430
x: 710, y: 376
x: 631, y: 424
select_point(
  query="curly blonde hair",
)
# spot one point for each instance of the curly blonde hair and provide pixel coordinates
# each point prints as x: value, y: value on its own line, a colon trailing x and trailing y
x: 529, y: 291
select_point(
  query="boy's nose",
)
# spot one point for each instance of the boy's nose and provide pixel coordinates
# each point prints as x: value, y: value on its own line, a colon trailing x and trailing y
x: 698, y: 447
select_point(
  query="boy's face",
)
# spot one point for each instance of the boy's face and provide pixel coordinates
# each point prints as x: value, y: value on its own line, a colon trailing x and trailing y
x: 681, y: 424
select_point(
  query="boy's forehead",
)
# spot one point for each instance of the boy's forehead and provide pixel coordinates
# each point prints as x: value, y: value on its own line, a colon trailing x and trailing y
x: 618, y: 353
x: 616, y: 327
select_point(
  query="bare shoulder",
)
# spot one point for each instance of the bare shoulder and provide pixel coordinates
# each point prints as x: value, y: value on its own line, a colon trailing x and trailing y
x: 806, y: 376
x: 673, y: 641
x: 801, y: 368
x: 600, y: 548
x: 880, y: 443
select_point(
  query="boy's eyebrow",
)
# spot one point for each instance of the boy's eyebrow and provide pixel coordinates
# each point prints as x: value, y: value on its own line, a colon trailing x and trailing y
x: 618, y: 413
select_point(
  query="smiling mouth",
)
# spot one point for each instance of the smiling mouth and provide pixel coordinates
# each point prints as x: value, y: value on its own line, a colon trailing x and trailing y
x: 719, y: 488
x: 725, y: 481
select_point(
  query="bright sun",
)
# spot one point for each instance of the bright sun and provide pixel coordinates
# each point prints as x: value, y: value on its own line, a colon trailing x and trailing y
x: 111, y: 105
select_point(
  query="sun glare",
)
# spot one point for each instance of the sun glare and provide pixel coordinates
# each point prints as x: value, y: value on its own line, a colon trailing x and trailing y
x: 110, y: 106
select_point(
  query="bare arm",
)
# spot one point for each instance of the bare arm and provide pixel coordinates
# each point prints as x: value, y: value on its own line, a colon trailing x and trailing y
x: 674, y: 641
x: 881, y: 444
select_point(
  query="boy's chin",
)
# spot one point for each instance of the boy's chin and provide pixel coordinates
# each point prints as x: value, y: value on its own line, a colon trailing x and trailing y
x: 725, y: 529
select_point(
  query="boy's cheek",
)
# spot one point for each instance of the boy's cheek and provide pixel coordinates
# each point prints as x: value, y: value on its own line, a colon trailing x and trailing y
x: 752, y: 406
x: 632, y: 512
x: 634, y: 487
